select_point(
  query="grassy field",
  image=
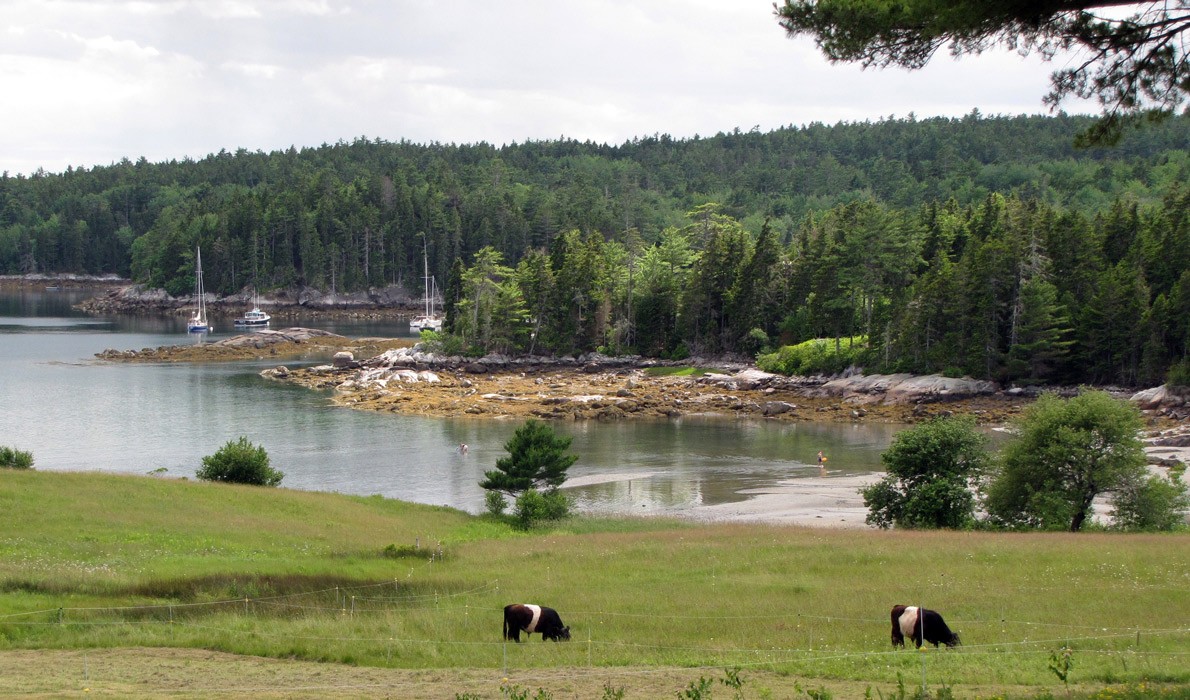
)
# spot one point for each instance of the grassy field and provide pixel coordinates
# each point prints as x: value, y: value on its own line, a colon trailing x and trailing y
x: 138, y: 586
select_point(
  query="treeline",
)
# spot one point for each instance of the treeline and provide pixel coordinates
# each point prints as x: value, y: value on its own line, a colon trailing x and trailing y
x: 1008, y: 289
x: 988, y: 246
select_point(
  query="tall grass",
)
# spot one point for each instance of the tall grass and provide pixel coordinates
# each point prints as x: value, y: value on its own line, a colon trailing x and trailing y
x: 99, y: 561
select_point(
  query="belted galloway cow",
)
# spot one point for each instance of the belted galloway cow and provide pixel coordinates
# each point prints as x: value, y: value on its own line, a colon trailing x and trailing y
x: 920, y: 624
x: 528, y: 618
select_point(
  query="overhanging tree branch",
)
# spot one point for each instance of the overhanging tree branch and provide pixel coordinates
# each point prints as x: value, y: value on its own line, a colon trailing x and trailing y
x: 1136, y: 68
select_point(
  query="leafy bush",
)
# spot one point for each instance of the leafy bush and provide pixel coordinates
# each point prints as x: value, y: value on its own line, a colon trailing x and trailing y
x: 495, y: 502
x: 12, y: 458
x: 1151, y: 503
x: 533, y: 506
x: 239, y: 462
x: 929, y: 469
x: 1179, y: 374
x: 442, y: 343
x: 818, y: 356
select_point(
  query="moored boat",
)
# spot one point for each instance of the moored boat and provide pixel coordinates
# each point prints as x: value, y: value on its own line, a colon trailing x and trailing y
x: 428, y: 321
x: 254, y: 318
x: 198, y: 323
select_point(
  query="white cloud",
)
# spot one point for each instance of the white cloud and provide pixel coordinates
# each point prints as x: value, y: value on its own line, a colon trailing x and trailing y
x: 98, y: 81
x: 252, y: 70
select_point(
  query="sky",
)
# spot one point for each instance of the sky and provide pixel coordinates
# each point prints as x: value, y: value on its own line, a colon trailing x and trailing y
x: 91, y: 82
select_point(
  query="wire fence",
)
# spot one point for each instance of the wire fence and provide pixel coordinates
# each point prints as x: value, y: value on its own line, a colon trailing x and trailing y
x: 380, y: 607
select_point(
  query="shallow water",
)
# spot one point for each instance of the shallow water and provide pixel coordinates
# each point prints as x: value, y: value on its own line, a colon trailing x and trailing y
x: 78, y: 413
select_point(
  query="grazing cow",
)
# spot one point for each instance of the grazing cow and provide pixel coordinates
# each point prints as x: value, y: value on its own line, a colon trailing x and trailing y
x: 907, y: 622
x: 533, y: 618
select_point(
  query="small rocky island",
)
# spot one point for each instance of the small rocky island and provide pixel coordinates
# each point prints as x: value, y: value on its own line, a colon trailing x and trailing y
x: 400, y: 376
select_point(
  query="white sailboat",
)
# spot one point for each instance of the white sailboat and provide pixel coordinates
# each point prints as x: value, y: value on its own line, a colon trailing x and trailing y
x: 428, y: 321
x: 198, y: 323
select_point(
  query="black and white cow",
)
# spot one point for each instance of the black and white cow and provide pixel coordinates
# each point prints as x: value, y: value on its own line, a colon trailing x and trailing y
x: 533, y: 618
x: 907, y: 622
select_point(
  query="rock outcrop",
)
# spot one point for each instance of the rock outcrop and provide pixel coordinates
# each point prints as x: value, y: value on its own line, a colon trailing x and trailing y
x: 1164, y: 401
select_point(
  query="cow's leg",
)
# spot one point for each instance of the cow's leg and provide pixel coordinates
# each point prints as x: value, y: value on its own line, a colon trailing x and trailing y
x: 898, y: 639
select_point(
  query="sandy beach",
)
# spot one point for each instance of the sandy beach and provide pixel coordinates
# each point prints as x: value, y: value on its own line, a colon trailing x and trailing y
x: 820, y: 501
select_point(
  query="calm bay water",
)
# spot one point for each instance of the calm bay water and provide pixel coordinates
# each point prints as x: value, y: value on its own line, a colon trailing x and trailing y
x: 75, y: 412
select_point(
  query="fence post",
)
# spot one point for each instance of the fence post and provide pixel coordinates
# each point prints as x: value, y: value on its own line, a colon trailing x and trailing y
x: 921, y: 621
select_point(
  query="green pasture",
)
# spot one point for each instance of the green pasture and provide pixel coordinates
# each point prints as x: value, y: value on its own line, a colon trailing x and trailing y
x: 92, y: 560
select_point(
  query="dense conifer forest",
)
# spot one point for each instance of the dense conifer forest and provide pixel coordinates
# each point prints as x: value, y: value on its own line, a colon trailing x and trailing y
x: 986, y: 246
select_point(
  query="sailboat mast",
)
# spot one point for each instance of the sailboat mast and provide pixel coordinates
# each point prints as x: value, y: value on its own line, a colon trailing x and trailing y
x: 425, y: 257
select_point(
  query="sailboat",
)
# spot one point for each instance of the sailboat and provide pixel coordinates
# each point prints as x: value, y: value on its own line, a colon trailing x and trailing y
x: 428, y: 321
x: 254, y: 318
x: 198, y: 322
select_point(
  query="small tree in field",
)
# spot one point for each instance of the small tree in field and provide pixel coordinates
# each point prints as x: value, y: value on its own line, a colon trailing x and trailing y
x: 1065, y: 454
x: 239, y: 462
x: 534, y: 468
x: 930, y: 467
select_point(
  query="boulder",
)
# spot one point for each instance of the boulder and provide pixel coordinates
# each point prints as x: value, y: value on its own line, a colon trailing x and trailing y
x: 776, y: 408
x: 1159, y: 397
x: 343, y: 360
x: 904, y: 388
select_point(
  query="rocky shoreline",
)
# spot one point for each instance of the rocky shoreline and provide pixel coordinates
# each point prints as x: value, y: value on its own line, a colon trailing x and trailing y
x: 596, y: 387
x: 398, y: 376
x: 393, y: 301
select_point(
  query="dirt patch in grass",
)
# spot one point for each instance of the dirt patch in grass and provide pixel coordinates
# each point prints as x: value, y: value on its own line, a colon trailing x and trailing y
x: 200, y: 673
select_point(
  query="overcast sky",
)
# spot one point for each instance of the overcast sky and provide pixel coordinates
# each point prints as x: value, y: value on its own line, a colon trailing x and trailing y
x: 90, y: 82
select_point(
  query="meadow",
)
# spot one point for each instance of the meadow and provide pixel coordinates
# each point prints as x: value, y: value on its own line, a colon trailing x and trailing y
x: 252, y: 588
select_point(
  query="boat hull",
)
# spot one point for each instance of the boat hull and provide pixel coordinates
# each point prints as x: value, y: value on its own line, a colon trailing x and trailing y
x: 422, y: 323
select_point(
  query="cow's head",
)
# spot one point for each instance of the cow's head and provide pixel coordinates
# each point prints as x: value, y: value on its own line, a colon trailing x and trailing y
x: 562, y: 635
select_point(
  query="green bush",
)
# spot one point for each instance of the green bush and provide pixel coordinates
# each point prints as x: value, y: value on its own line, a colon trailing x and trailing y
x: 533, y: 506
x: 1179, y: 374
x: 239, y: 462
x: 443, y: 343
x: 1151, y: 503
x: 929, y: 468
x: 819, y: 356
x: 12, y: 458
x: 495, y: 502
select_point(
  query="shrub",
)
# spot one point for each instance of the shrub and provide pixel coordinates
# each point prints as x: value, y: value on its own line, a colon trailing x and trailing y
x: 1179, y: 374
x: 495, y: 502
x: 239, y: 462
x: 12, y: 458
x: 1151, y: 503
x: 819, y: 356
x: 929, y: 469
x: 533, y: 506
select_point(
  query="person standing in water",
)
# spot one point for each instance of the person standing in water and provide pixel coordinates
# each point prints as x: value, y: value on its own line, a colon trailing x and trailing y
x: 821, y: 462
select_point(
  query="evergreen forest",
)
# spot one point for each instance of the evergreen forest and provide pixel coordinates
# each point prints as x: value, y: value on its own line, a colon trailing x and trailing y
x: 980, y: 246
